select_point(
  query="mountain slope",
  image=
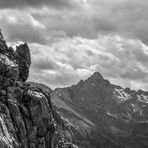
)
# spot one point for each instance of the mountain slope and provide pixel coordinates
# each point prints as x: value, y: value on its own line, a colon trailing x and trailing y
x: 119, y: 115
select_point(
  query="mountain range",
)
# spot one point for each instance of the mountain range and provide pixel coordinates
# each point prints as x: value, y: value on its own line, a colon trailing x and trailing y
x: 104, y: 115
x: 90, y: 114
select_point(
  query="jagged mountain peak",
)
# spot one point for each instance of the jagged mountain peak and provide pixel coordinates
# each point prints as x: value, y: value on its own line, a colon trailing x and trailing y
x: 96, y: 76
x: 116, y: 110
x: 97, y: 80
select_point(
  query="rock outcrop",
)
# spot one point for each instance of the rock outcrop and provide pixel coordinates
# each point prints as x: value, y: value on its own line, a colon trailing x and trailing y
x: 23, y: 59
x: 27, y: 117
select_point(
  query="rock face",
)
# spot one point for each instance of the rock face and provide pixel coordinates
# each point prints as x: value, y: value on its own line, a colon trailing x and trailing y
x: 27, y: 116
x: 23, y: 59
x: 118, y: 117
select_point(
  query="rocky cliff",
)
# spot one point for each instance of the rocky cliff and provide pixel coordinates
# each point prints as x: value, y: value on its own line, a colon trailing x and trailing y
x: 27, y: 116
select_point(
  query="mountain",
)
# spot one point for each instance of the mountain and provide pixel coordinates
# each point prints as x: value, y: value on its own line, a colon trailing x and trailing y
x: 27, y: 116
x: 106, y: 115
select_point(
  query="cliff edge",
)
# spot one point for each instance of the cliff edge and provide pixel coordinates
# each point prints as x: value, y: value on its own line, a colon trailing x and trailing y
x: 27, y: 118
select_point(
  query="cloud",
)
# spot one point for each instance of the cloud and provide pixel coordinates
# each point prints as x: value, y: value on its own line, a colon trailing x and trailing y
x: 126, y: 18
x: 86, y: 19
x: 43, y: 64
x: 35, y: 3
x: 21, y: 26
x: 65, y: 62
x: 69, y: 40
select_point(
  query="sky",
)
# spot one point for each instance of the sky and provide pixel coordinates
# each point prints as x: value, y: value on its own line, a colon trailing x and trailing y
x: 71, y: 39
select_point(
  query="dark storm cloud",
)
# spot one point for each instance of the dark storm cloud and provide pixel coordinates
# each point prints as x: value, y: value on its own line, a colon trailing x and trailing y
x: 104, y: 24
x: 95, y: 17
x: 35, y: 3
x: 127, y: 18
x: 25, y: 34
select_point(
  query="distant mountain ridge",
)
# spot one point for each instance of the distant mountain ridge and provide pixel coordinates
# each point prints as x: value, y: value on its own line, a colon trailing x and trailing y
x: 119, y: 115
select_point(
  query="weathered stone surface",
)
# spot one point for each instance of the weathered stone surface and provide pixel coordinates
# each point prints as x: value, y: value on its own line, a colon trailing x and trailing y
x: 8, y: 70
x: 26, y: 112
x: 119, y: 115
x: 3, y: 45
x: 23, y: 59
x: 7, y: 132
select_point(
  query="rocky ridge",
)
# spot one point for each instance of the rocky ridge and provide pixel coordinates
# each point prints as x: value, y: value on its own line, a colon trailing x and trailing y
x: 119, y: 115
x: 27, y: 116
